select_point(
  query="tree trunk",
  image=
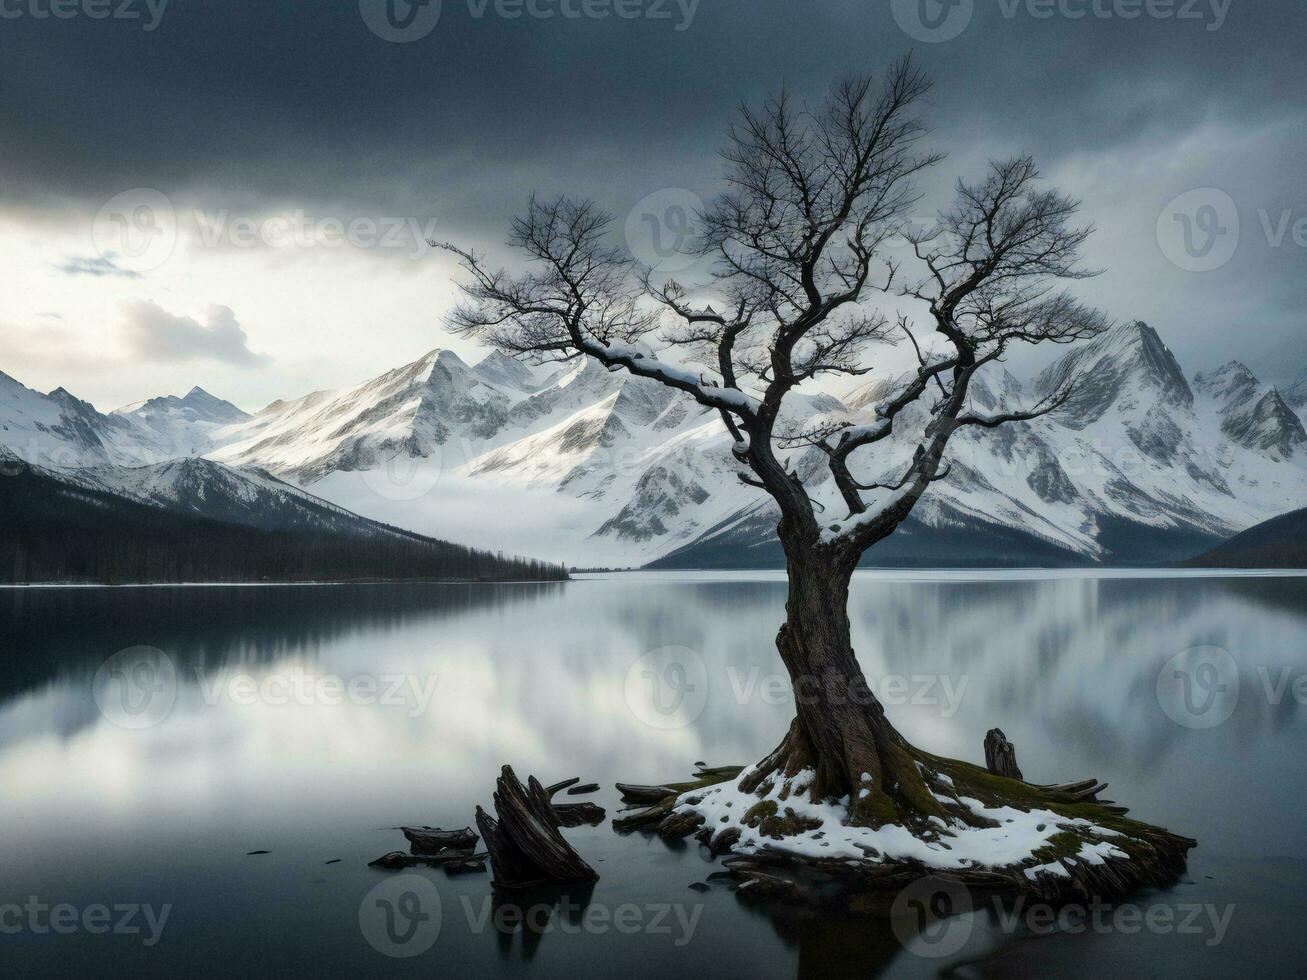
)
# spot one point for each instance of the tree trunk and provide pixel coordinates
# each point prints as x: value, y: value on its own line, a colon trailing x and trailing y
x: 841, y: 746
x: 840, y: 730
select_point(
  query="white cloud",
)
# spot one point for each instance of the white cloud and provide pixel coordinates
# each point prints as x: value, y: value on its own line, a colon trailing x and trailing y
x: 151, y: 332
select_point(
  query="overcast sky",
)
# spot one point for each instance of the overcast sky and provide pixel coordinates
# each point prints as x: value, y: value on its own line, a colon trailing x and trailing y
x: 223, y: 145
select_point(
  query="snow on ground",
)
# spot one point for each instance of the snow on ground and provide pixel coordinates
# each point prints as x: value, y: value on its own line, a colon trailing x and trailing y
x: 1013, y: 842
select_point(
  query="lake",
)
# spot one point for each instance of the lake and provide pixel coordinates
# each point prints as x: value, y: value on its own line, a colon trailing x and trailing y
x: 310, y: 722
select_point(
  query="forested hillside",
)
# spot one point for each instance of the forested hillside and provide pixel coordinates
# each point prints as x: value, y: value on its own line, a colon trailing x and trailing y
x: 53, y: 529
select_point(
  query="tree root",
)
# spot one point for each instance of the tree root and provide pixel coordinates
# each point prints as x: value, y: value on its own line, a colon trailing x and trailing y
x: 977, y: 828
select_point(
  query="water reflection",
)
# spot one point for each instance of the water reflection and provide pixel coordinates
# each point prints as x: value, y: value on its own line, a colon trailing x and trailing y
x: 541, y: 676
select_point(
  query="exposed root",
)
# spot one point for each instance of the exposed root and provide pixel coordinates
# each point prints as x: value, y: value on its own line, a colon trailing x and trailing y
x: 933, y: 816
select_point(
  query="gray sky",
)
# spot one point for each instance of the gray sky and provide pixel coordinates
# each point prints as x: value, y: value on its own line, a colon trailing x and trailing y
x: 223, y: 147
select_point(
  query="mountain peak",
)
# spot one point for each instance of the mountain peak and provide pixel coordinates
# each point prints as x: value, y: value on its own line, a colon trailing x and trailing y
x: 439, y: 357
x: 1124, y: 363
x: 442, y: 355
x: 1231, y: 384
x: 501, y: 369
x: 69, y: 400
x: 197, y: 404
x: 1269, y: 425
x: 1296, y: 393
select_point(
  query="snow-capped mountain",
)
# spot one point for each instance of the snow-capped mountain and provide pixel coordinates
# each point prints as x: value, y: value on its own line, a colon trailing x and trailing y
x: 59, y: 429
x: 1296, y: 393
x: 182, y: 426
x: 594, y: 467
x: 597, y: 467
x: 411, y: 411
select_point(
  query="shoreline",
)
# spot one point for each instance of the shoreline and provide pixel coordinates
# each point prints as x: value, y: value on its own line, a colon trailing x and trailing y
x: 277, y: 585
x: 710, y: 574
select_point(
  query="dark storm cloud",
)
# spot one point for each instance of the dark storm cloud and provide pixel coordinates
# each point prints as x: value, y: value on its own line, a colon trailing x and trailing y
x: 257, y: 104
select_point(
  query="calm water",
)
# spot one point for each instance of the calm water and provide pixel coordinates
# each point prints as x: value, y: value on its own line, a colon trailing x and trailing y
x: 250, y: 744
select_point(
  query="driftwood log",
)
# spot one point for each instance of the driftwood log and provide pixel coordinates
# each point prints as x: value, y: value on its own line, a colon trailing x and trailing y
x: 524, y: 843
x: 1001, y: 760
x: 433, y: 840
x: 1001, y: 755
x: 635, y: 793
x: 461, y: 860
x: 574, y: 814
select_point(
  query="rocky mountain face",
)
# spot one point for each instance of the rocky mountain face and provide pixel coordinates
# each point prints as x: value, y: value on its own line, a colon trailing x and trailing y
x: 411, y: 411
x: 591, y: 467
x: 1296, y: 393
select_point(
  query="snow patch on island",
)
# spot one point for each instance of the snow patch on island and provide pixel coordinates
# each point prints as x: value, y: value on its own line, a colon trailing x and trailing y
x: 1014, y: 842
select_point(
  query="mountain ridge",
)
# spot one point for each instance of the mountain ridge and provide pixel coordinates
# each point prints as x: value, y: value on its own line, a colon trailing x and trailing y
x: 602, y: 468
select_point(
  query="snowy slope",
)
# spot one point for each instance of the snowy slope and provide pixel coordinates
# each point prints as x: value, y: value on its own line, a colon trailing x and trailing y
x: 580, y: 464
x: 411, y: 411
x: 203, y: 488
x: 598, y: 468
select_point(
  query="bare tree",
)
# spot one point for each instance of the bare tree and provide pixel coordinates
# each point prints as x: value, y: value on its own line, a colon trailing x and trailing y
x: 813, y: 196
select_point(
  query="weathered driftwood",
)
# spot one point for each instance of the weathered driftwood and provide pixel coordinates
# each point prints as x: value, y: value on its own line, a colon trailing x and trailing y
x: 663, y: 798
x: 575, y: 814
x: 397, y: 860
x: 524, y: 844
x: 1001, y: 755
x: 1001, y: 760
x: 468, y: 866
x: 433, y: 840
x: 716, y: 773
